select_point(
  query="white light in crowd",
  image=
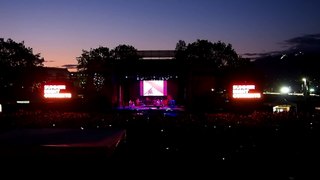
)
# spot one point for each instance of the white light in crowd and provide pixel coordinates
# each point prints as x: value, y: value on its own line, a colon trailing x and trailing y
x: 304, y: 79
x: 284, y: 90
x: 311, y: 89
x: 284, y: 55
x: 23, y: 102
x: 0, y: 108
x: 212, y: 89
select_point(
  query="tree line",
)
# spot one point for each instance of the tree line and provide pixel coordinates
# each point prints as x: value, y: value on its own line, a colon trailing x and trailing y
x: 218, y: 54
x: 21, y: 68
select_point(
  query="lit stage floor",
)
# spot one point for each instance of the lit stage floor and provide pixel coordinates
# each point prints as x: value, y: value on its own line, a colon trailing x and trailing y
x: 152, y: 107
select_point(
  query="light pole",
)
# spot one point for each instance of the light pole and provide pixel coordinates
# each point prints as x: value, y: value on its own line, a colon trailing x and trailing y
x: 305, y: 87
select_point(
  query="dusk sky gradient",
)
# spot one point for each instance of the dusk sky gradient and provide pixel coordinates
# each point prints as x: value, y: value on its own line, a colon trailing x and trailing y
x: 60, y: 29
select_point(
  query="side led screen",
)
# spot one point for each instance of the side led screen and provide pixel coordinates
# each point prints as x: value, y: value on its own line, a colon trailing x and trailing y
x: 245, y: 92
x: 56, y: 91
x: 153, y: 88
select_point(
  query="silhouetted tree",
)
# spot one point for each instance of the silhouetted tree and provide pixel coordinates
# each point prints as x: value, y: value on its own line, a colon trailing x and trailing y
x: 180, y: 51
x: 18, y: 68
x: 93, y: 63
x: 13, y: 54
x: 217, y: 54
x: 102, y: 68
x: 207, y: 65
x: 125, y: 53
x: 200, y: 51
x: 225, y: 55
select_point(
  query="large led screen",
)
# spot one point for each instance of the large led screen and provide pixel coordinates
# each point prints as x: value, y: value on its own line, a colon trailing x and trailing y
x: 153, y: 88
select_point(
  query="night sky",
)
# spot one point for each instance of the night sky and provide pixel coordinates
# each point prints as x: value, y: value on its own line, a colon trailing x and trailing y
x: 60, y: 29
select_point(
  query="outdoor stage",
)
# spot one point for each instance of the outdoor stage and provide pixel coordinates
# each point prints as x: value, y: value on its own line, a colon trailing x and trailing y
x: 152, y: 107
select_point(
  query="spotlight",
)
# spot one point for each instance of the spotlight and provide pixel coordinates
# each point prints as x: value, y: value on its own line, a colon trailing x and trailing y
x: 284, y: 90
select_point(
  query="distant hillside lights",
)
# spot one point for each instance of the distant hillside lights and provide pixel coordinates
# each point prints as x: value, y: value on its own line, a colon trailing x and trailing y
x: 54, y: 91
x: 245, y: 92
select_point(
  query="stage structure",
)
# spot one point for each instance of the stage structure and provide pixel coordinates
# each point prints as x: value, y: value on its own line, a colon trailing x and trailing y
x: 158, y: 77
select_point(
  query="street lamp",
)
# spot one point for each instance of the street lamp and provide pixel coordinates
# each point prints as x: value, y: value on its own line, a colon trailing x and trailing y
x: 312, y: 90
x: 305, y: 86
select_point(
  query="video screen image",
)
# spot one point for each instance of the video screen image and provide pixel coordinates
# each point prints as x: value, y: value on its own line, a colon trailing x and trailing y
x: 153, y: 88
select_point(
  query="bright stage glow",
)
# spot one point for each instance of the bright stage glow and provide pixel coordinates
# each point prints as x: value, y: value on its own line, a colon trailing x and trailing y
x: 54, y: 91
x: 153, y: 88
x: 284, y: 90
x: 281, y: 108
x: 245, y: 92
